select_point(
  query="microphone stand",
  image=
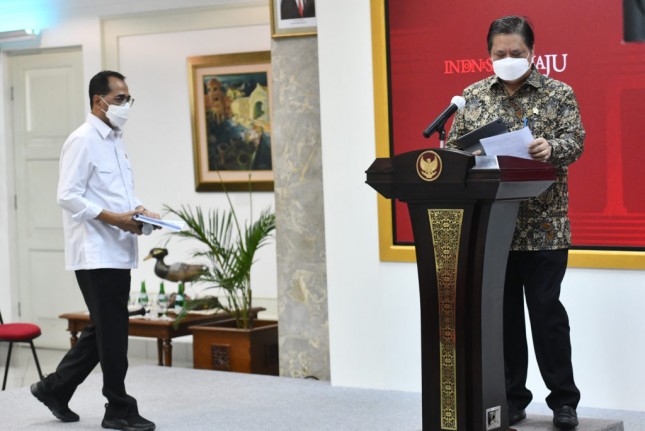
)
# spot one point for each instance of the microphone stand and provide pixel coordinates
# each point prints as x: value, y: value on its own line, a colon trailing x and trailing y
x: 441, y: 128
x: 442, y: 136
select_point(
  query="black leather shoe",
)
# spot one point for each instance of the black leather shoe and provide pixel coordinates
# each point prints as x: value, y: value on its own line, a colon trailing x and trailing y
x: 59, y: 409
x: 134, y: 423
x: 515, y: 415
x: 565, y: 418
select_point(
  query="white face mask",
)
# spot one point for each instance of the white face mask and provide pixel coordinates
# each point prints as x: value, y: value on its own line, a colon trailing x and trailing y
x: 117, y: 114
x: 511, y: 69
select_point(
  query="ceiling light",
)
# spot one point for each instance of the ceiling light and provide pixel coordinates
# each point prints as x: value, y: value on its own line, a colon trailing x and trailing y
x: 17, y: 35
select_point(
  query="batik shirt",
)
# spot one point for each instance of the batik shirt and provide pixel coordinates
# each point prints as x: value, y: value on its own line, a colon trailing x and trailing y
x: 550, y: 110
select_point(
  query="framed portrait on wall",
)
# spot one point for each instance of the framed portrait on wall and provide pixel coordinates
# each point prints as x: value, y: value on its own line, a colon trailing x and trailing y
x: 293, y: 18
x: 231, y: 120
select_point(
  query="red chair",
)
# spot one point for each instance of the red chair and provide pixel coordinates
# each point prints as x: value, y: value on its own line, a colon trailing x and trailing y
x: 18, y: 333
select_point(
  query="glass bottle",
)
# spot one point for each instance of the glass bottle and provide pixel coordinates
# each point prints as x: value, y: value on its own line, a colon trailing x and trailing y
x: 162, y: 300
x: 179, y: 298
x: 143, y: 295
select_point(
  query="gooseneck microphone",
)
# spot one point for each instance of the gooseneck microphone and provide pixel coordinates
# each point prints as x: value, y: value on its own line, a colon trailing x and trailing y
x: 457, y: 103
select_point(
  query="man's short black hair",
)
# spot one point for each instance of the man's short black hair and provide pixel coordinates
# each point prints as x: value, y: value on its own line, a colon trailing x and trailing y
x: 511, y: 25
x: 100, y: 83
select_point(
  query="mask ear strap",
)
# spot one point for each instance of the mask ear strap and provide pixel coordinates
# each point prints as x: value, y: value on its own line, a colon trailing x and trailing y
x: 104, y: 101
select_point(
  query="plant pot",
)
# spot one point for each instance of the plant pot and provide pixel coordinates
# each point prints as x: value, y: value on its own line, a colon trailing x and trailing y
x: 222, y: 346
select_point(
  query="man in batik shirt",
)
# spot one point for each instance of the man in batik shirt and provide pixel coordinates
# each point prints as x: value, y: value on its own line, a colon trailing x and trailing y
x: 521, y: 96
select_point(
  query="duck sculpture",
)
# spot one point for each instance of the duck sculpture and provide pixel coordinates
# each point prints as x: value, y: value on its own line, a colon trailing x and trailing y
x: 177, y: 271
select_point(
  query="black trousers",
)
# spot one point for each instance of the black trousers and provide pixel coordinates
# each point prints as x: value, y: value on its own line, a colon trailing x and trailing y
x: 537, y: 275
x: 106, y: 293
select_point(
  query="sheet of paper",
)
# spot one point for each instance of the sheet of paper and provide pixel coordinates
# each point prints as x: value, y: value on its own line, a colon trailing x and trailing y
x: 509, y: 144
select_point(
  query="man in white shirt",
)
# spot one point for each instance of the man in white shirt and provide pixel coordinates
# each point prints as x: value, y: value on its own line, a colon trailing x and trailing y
x: 96, y: 192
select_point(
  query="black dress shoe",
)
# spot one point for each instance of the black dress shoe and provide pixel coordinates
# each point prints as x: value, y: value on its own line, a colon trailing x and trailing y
x: 565, y: 418
x: 515, y: 416
x: 133, y: 423
x: 59, y: 409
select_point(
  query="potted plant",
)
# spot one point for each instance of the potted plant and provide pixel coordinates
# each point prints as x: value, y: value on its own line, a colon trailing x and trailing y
x: 229, y: 248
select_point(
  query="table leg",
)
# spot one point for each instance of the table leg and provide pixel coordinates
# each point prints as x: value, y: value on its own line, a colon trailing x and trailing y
x: 159, y: 352
x: 74, y: 338
x: 167, y: 349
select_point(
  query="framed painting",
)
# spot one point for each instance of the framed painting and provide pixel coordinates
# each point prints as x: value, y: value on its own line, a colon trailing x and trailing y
x: 231, y: 119
x: 293, y: 18
x: 419, y: 64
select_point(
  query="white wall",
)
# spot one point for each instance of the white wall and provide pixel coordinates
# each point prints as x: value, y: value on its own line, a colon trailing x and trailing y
x: 373, y: 306
x: 607, y: 326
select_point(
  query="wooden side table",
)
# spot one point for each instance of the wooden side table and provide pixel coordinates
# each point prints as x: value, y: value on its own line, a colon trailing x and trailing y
x: 163, y: 330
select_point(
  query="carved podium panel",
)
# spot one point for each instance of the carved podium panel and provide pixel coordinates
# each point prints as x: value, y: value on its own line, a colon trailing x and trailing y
x: 463, y: 210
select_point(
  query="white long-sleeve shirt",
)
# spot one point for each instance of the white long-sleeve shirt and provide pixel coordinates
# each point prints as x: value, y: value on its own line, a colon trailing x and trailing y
x: 95, y: 174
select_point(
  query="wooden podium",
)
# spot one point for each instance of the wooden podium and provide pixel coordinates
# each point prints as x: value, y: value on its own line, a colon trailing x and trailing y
x: 463, y: 210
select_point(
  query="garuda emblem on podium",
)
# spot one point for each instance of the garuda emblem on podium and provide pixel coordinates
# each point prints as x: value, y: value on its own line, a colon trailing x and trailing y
x: 429, y: 165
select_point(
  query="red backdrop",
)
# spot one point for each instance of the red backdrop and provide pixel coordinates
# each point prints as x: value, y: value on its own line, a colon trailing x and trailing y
x: 437, y: 49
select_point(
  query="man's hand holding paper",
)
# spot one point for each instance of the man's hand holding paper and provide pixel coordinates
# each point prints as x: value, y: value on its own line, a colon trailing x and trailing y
x: 519, y: 143
x: 540, y: 149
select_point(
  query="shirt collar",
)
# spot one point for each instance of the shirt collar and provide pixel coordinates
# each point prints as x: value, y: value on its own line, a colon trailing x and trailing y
x: 103, y: 129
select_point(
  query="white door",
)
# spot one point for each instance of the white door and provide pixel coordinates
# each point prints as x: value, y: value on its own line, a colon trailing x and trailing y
x: 48, y: 103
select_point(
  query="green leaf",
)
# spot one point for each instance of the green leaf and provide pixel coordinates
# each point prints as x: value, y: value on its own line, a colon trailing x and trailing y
x: 230, y: 250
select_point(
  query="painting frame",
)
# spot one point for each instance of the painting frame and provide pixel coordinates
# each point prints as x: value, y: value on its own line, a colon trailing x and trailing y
x: 252, y: 134
x: 292, y: 27
x: 389, y: 250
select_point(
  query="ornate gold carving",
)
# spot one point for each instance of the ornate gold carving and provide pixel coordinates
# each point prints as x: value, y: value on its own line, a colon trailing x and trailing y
x: 445, y: 225
x: 429, y: 165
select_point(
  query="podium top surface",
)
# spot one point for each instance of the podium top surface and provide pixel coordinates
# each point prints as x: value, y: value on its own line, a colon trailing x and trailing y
x: 509, y: 168
x: 453, y: 174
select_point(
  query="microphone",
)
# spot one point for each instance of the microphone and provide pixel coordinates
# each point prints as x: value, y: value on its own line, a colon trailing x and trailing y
x: 457, y: 103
